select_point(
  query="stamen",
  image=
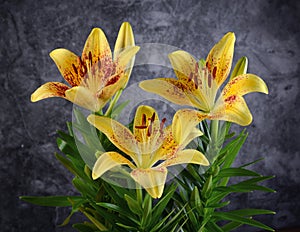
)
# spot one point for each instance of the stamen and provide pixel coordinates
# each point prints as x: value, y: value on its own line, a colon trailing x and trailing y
x: 191, y: 76
x: 90, y: 59
x: 162, y: 125
x: 149, y: 132
x: 214, y: 72
x: 75, y: 69
x: 141, y: 127
x: 144, y: 119
x: 196, y: 68
x: 196, y: 81
x: 209, y: 80
x: 153, y: 117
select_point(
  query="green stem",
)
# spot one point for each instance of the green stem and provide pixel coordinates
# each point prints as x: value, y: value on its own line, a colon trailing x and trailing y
x: 139, y: 194
x: 113, y: 102
x: 214, y: 135
x: 214, y: 132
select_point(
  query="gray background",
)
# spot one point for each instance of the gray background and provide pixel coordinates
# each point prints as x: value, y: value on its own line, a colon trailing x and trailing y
x: 267, y: 32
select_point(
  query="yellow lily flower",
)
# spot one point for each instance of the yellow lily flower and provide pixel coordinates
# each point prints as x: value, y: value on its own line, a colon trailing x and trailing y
x: 96, y: 75
x: 151, y: 147
x: 198, y: 84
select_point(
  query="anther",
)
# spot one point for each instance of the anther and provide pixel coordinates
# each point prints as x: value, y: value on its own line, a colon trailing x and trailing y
x: 209, y: 80
x: 90, y: 58
x: 162, y: 125
x: 214, y: 72
x: 75, y: 69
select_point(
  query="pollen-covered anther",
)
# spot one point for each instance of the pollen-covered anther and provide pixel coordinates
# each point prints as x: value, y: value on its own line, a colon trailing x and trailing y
x: 161, y: 126
x: 143, y: 126
x: 90, y: 59
x: 214, y: 72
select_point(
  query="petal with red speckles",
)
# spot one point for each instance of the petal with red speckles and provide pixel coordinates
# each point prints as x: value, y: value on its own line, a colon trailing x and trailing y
x: 244, y: 84
x: 50, y: 89
x: 232, y: 109
x: 220, y: 57
x: 183, y: 64
x: 152, y: 179
x: 97, y: 49
x: 118, y: 134
x: 108, y: 161
x: 185, y: 157
x: 169, y: 88
x: 68, y: 64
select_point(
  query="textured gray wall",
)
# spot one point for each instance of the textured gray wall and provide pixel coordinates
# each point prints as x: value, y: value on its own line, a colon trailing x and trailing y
x: 267, y: 32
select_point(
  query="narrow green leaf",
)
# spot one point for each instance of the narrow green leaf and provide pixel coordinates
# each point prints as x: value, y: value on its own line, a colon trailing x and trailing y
x: 237, y: 218
x: 231, y: 226
x: 55, y: 201
x: 251, y: 212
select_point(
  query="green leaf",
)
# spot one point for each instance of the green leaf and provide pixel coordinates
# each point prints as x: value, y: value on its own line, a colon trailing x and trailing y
x: 207, y: 188
x: 133, y: 205
x: 231, y: 226
x: 118, y: 109
x: 230, y: 172
x: 251, y: 212
x: 211, y: 226
x: 237, y: 218
x: 84, y: 227
x: 162, y: 203
x: 55, y: 201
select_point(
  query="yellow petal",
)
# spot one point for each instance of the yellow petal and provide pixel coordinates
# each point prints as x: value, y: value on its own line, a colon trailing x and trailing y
x: 125, y: 59
x: 220, y: 57
x: 244, y: 84
x: 118, y: 134
x: 232, y: 109
x: 83, y: 97
x: 124, y: 40
x: 97, y: 49
x: 108, y: 161
x: 183, y: 64
x: 169, y: 88
x: 186, y: 156
x: 152, y: 179
x: 68, y: 64
x: 50, y: 89
x: 184, y: 125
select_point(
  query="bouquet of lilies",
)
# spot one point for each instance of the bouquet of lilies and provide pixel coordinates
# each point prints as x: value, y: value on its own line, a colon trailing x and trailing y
x: 151, y: 174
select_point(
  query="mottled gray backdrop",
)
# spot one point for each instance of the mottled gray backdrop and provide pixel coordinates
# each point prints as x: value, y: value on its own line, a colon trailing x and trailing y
x: 267, y: 32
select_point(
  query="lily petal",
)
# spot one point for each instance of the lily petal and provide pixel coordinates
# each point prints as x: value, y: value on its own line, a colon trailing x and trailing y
x: 125, y: 59
x: 232, y: 109
x: 186, y: 156
x: 68, y: 64
x: 243, y: 84
x: 184, y: 125
x: 108, y: 161
x: 83, y: 97
x: 169, y: 88
x: 183, y: 64
x: 124, y: 40
x: 118, y: 134
x: 97, y: 49
x: 152, y: 179
x: 50, y: 89
x: 220, y: 57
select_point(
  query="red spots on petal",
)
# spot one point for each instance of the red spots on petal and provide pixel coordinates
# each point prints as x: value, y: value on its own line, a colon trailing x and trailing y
x: 113, y: 80
x: 230, y: 99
